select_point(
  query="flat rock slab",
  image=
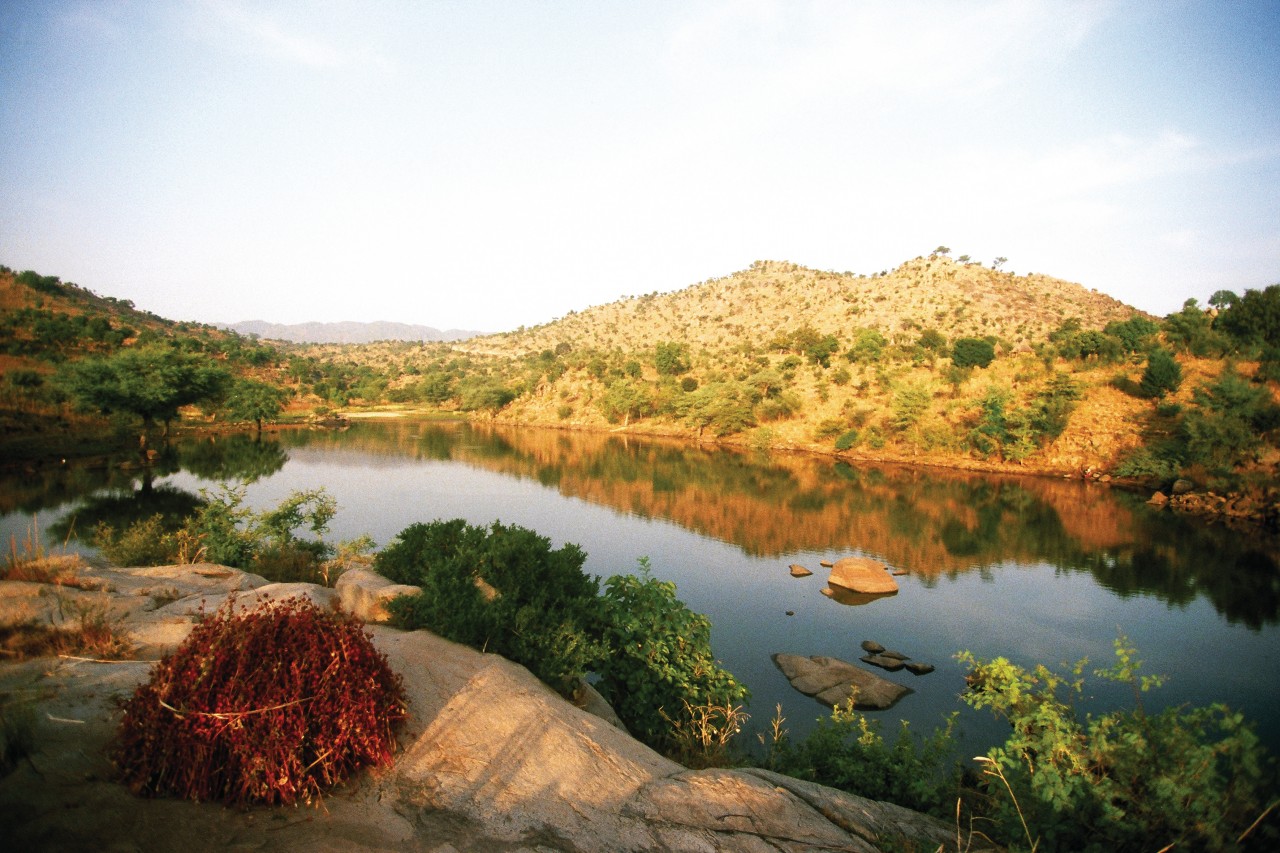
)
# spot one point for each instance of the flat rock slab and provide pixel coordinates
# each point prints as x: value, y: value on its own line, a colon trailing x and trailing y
x: 799, y: 571
x: 919, y: 668
x: 834, y: 682
x: 884, y: 662
x: 862, y: 574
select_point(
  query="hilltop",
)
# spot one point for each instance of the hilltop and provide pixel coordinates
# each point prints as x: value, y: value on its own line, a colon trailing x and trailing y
x: 771, y: 298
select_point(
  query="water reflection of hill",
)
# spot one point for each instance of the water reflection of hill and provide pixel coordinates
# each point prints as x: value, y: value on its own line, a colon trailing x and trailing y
x: 932, y: 523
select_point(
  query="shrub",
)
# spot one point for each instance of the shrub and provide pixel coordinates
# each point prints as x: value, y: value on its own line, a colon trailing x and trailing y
x: 1126, y: 780
x: 145, y: 542
x: 659, y: 668
x: 847, y: 439
x: 501, y: 589
x: 1162, y: 376
x: 972, y: 352
x: 269, y: 705
x: 847, y: 751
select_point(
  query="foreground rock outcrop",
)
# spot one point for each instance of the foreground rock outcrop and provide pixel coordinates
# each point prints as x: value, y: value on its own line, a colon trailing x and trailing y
x: 492, y: 759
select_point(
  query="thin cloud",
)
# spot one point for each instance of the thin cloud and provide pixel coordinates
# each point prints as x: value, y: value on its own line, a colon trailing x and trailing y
x: 265, y: 34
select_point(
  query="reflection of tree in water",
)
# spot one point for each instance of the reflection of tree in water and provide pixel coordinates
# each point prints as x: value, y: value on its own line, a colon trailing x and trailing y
x: 1177, y: 560
x: 933, y: 523
x: 122, y: 508
x: 244, y: 458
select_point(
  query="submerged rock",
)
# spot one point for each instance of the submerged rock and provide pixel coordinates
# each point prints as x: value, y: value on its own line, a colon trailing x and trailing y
x: 872, y: 646
x: 799, y: 571
x: 916, y: 668
x: 834, y: 682
x: 893, y: 664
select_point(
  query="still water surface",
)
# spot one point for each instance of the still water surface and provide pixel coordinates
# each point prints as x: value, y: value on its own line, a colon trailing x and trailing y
x: 1036, y: 570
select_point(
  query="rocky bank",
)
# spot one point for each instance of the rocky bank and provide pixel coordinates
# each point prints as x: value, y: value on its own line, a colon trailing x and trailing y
x: 491, y: 760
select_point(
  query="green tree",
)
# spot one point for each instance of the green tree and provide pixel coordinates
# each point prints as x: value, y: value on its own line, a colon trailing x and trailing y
x: 1162, y: 376
x: 1191, y: 330
x: 1227, y: 421
x: 671, y: 358
x: 251, y: 400
x: 972, y: 352
x: 1254, y: 319
x: 152, y: 382
x: 1223, y: 299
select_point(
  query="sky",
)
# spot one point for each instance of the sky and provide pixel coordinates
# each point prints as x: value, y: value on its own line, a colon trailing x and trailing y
x: 488, y: 165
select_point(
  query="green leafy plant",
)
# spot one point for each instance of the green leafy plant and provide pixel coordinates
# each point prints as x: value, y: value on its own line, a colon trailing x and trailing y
x: 270, y: 704
x: 502, y: 589
x: 659, y: 669
x: 1163, y: 375
x: 1124, y: 780
x: 847, y: 751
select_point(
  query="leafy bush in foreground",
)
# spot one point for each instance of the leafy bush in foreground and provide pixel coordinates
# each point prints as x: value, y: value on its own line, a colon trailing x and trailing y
x: 1127, y: 780
x: 502, y: 589
x: 847, y: 751
x: 268, y: 705
x: 659, y: 670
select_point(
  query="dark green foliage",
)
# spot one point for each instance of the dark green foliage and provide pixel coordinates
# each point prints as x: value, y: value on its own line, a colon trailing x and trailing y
x: 250, y: 400
x: 1223, y: 299
x: 1191, y: 330
x: 847, y: 439
x: 933, y: 340
x: 671, y: 358
x: 658, y: 659
x: 1134, y: 334
x: 1227, y: 422
x: 152, y: 382
x: 266, y: 705
x: 1163, y: 374
x: 1253, y: 319
x: 1189, y: 778
x: 502, y: 589
x: 483, y: 394
x: 972, y: 352
x: 847, y: 751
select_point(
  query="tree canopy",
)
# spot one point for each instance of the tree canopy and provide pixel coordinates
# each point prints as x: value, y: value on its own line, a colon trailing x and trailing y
x: 152, y: 382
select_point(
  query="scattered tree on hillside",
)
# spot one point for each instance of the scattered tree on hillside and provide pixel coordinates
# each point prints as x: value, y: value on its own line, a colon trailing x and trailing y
x: 1254, y: 319
x: 1191, y: 330
x: 671, y: 358
x: 972, y: 352
x: 1162, y: 376
x: 1223, y: 299
x: 152, y: 382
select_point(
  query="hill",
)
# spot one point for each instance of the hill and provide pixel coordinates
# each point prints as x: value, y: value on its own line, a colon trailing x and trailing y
x: 773, y: 298
x: 349, y: 332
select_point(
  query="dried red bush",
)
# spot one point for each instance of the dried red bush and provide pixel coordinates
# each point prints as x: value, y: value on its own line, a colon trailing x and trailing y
x: 269, y: 704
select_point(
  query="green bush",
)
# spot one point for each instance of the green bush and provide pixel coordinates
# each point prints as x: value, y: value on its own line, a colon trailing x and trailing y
x: 502, y: 589
x: 1126, y: 780
x: 972, y: 352
x: 847, y: 751
x: 847, y: 439
x: 1228, y: 421
x: 269, y: 705
x: 659, y: 661
x: 1163, y: 375
x: 146, y: 542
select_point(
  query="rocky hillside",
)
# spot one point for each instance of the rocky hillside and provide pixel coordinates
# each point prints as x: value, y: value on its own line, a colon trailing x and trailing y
x: 776, y: 297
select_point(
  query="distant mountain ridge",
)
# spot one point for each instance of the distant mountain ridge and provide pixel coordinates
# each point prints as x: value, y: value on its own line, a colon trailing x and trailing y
x: 347, y: 332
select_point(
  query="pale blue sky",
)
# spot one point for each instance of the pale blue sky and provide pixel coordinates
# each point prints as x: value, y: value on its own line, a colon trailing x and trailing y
x: 486, y: 165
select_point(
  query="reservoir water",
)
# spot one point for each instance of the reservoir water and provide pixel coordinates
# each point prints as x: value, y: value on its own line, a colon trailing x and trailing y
x: 1033, y: 569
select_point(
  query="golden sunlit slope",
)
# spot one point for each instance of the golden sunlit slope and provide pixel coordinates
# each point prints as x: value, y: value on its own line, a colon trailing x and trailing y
x: 772, y: 298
